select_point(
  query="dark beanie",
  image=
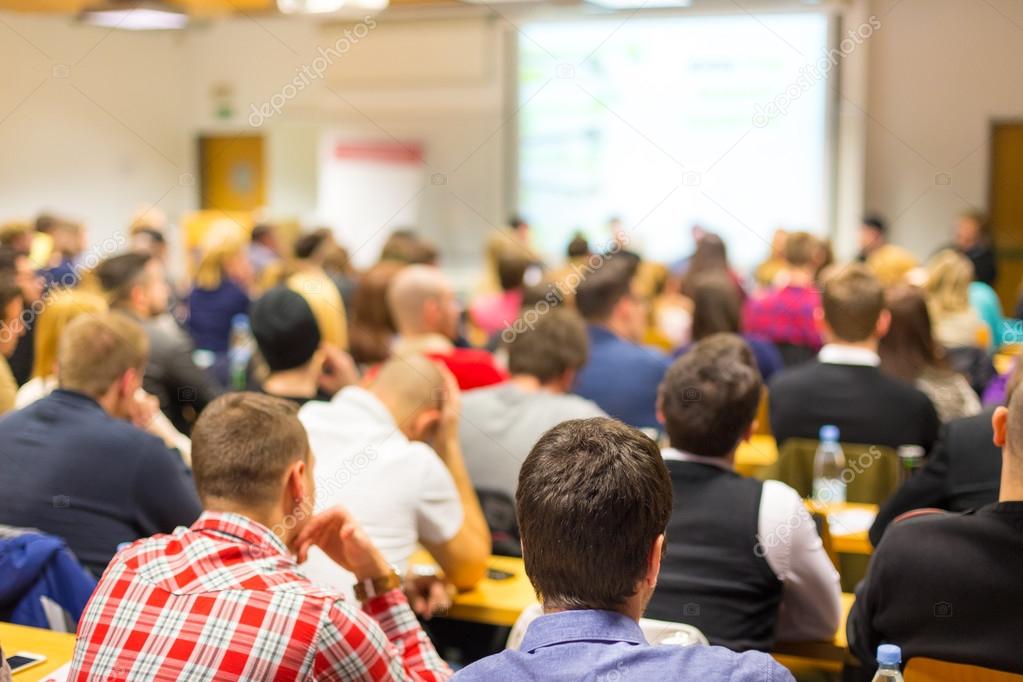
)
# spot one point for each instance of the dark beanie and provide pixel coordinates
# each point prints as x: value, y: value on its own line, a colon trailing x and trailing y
x: 285, y: 329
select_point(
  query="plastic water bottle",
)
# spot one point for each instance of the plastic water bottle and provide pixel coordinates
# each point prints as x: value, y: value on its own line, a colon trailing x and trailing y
x: 911, y: 457
x: 241, y: 351
x: 889, y: 657
x: 828, y: 465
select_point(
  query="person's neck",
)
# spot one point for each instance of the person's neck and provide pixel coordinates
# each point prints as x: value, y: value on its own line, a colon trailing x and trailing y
x: 273, y: 519
x: 729, y: 458
x: 134, y: 310
x: 869, y: 344
x: 633, y: 608
x: 292, y: 383
x: 531, y: 384
x: 618, y: 329
x: 1011, y: 488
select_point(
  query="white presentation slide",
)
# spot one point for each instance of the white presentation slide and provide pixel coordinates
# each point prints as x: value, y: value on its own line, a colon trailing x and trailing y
x: 672, y: 122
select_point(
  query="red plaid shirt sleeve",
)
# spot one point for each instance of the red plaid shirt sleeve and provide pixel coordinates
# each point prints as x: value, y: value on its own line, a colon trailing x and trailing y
x: 383, y: 642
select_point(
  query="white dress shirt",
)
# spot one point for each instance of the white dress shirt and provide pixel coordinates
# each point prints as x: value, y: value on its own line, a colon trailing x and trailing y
x: 841, y: 354
x: 811, y: 602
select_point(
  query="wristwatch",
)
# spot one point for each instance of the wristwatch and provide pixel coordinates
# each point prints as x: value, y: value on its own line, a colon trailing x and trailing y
x: 374, y: 587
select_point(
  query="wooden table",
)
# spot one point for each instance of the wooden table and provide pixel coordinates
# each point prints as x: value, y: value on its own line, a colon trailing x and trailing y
x: 58, y: 648
x: 844, y: 542
x: 499, y: 602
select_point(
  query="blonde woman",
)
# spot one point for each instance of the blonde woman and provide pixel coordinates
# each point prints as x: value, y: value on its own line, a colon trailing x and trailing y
x: 956, y: 323
x: 61, y: 307
x: 221, y: 290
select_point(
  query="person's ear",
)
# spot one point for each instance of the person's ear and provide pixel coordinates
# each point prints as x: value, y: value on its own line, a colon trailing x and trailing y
x: 747, y: 435
x: 424, y: 423
x: 884, y: 322
x: 820, y: 322
x: 659, y: 405
x: 999, y: 422
x: 653, y: 569
x: 567, y: 380
x: 295, y: 484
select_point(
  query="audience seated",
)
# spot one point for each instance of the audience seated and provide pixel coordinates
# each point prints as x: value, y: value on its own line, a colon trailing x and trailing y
x: 786, y: 314
x: 594, y: 501
x: 717, y: 309
x: 62, y: 306
x: 961, y: 473
x: 31, y: 284
x: 68, y: 242
x: 426, y: 312
x: 893, y: 265
x: 11, y: 329
x: 264, y: 250
x: 616, y: 321
x: 973, y: 241
x: 844, y: 387
x: 86, y: 470
x: 873, y: 236
x: 220, y: 292
x: 136, y: 285
x: 748, y: 566
x: 373, y: 454
x: 500, y: 423
x: 711, y: 256
x: 225, y: 598
x: 370, y: 327
x: 767, y: 271
x: 408, y: 248
x: 956, y: 323
x: 909, y: 352
x: 302, y: 367
x: 946, y: 586
x: 495, y: 312
x: 309, y: 278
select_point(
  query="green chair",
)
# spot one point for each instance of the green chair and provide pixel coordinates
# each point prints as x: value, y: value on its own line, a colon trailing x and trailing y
x: 871, y: 471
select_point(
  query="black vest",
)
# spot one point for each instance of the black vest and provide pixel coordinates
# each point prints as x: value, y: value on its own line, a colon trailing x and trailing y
x: 713, y: 576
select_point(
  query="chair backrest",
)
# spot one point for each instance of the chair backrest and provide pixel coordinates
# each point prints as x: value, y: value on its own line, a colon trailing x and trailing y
x: 499, y: 511
x: 931, y: 670
x: 820, y: 519
x: 872, y: 471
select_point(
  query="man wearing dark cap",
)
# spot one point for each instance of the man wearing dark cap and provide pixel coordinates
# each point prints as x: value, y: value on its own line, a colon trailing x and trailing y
x: 301, y: 367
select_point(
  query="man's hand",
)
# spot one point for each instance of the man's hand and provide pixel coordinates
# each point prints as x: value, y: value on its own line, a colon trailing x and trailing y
x: 428, y: 595
x: 338, y: 370
x: 451, y: 410
x: 340, y: 537
x: 142, y: 410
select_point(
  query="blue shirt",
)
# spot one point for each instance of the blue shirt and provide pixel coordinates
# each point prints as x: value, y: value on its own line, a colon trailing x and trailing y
x: 622, y: 377
x: 210, y: 312
x: 604, y: 645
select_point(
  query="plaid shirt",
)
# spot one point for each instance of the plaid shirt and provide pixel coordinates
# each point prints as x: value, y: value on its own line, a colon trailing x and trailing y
x: 223, y: 600
x: 784, y: 315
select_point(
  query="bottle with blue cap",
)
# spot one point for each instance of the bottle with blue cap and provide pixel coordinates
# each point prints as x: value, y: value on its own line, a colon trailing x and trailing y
x: 889, y: 660
x: 828, y: 468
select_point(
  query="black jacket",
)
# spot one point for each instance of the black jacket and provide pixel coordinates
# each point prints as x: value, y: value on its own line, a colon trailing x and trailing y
x: 963, y: 472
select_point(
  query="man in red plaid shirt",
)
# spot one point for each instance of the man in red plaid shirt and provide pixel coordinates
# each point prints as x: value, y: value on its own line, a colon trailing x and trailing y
x: 224, y: 600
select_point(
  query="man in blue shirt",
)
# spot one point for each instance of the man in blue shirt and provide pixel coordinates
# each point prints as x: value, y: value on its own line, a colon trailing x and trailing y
x: 77, y: 464
x: 594, y: 499
x: 621, y: 376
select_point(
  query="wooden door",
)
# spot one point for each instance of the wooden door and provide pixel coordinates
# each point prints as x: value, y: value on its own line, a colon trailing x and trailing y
x: 1006, y: 206
x: 232, y: 176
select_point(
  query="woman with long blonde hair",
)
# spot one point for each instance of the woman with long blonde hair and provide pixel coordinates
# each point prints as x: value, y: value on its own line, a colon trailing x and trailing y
x: 956, y: 323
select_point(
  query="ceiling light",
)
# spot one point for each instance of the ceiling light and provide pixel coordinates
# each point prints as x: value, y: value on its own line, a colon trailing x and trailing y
x: 310, y: 6
x: 640, y: 4
x: 131, y: 15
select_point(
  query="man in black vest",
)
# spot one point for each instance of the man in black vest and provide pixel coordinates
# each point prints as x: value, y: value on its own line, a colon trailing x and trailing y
x: 947, y: 586
x: 744, y: 562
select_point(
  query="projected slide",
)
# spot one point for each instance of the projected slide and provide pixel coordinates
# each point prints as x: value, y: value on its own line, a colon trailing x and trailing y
x: 672, y: 122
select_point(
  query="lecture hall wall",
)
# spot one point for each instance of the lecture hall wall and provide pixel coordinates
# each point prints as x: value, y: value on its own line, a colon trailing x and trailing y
x: 96, y: 123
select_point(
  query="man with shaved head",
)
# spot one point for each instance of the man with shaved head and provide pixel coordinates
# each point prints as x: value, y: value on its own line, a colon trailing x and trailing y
x: 426, y: 312
x: 389, y: 452
x: 948, y: 586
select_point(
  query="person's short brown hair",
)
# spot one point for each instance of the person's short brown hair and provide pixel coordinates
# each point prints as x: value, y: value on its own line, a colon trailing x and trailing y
x: 593, y: 496
x: 242, y: 444
x: 511, y: 270
x: 119, y: 275
x: 1014, y: 403
x: 96, y: 350
x: 852, y: 298
x: 800, y: 249
x: 602, y: 289
x: 710, y: 396
x: 556, y: 343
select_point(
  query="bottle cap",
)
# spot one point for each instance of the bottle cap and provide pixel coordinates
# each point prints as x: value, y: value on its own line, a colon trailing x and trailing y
x: 829, y: 433
x: 889, y: 654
